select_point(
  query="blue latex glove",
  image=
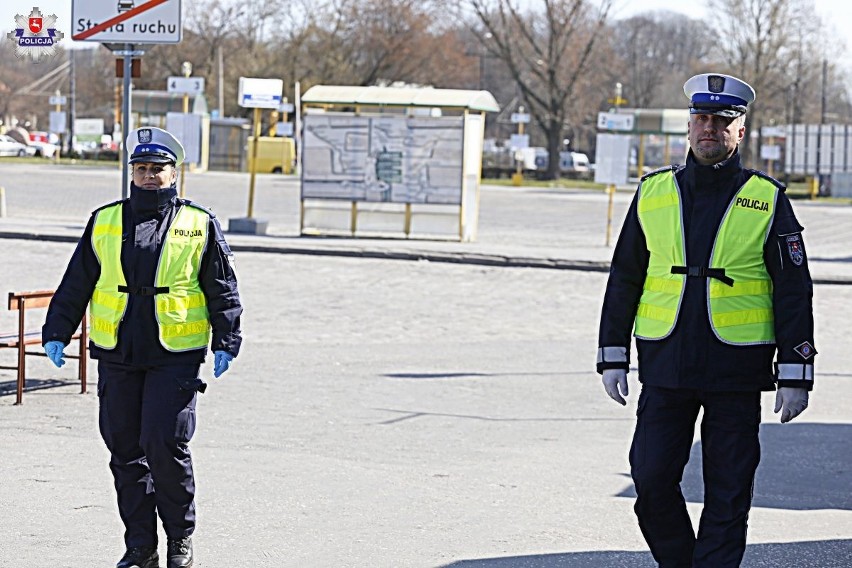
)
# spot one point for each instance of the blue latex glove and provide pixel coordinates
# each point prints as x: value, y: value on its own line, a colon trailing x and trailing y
x: 221, y: 362
x: 54, y: 350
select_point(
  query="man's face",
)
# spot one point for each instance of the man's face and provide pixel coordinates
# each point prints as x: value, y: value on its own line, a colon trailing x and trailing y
x: 153, y: 176
x: 714, y: 138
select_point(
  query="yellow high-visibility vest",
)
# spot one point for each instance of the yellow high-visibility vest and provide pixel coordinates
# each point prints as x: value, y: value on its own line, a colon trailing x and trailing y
x: 740, y: 314
x: 181, y: 308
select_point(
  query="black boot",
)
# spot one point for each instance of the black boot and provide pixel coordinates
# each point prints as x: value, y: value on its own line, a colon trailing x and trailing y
x: 180, y: 552
x: 140, y: 557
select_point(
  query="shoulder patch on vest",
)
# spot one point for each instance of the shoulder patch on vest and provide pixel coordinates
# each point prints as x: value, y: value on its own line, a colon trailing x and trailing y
x: 110, y: 205
x: 671, y: 168
x: 768, y: 178
x: 197, y: 206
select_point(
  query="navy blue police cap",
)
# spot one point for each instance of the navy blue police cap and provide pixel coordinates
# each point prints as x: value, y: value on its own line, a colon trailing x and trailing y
x: 154, y: 145
x: 715, y: 93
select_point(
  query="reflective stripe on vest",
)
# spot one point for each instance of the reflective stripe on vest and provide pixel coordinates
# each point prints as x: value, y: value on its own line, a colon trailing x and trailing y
x: 739, y: 315
x: 181, y: 313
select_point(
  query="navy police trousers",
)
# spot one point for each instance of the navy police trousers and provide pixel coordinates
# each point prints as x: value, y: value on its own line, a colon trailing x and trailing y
x: 147, y: 418
x: 730, y: 451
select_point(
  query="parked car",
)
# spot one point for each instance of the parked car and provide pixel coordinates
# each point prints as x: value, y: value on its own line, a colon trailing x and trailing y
x: 11, y: 147
x: 571, y: 164
x: 43, y: 143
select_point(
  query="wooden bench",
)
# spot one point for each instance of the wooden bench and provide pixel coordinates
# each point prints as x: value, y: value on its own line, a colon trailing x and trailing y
x: 22, y: 302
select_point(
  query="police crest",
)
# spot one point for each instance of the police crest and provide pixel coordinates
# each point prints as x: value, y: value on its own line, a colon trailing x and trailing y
x: 795, y: 250
x: 144, y: 135
x: 715, y: 83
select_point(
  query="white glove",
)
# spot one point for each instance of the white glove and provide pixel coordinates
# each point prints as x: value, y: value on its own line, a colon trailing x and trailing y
x: 793, y: 401
x: 615, y: 380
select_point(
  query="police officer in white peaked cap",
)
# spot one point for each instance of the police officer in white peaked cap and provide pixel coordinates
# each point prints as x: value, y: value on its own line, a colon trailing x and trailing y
x: 159, y: 280
x: 154, y: 145
x: 710, y: 275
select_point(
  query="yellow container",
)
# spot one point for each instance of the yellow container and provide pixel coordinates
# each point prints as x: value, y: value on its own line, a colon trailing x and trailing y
x: 274, y: 154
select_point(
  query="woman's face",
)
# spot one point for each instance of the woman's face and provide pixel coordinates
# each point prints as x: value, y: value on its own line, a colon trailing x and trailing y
x: 154, y: 176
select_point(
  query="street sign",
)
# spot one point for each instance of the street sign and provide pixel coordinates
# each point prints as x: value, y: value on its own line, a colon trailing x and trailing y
x: 187, y: 129
x: 614, y: 121
x: 286, y: 107
x: 519, y: 141
x: 187, y: 85
x: 58, y: 100
x: 520, y: 117
x: 773, y: 131
x: 88, y: 126
x: 57, y: 121
x: 260, y: 93
x: 611, y: 158
x: 770, y: 152
x: 283, y: 128
x: 126, y: 21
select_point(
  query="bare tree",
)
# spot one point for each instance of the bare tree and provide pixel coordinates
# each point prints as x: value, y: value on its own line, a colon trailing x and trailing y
x: 547, y: 51
x: 369, y: 42
x: 659, y: 50
x: 757, y: 47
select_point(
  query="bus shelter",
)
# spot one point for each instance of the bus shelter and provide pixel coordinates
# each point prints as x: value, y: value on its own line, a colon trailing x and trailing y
x: 392, y: 161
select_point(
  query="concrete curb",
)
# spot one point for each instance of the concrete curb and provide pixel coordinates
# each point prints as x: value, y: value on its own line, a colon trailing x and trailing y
x: 470, y: 258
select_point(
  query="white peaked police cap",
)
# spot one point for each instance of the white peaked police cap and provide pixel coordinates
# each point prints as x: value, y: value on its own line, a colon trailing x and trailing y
x: 715, y: 93
x: 154, y: 145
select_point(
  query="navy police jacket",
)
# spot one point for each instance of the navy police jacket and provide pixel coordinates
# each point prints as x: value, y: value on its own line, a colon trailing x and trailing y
x: 692, y: 357
x: 147, y: 215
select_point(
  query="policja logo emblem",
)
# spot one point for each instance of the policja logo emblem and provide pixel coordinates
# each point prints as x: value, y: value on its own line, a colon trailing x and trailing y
x: 35, y: 35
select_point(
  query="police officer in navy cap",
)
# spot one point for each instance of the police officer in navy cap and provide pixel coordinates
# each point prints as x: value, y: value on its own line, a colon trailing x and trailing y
x: 160, y: 284
x: 711, y: 276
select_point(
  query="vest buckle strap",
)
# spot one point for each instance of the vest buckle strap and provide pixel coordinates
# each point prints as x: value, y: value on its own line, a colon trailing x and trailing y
x: 144, y: 290
x: 703, y: 272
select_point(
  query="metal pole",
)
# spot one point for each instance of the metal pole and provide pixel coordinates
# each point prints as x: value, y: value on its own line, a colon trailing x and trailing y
x: 58, y: 109
x: 298, y: 127
x: 73, y: 114
x: 221, y: 85
x: 125, y: 122
x: 187, y: 72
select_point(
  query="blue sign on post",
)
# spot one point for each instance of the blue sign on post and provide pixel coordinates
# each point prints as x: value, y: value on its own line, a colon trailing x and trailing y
x: 260, y: 93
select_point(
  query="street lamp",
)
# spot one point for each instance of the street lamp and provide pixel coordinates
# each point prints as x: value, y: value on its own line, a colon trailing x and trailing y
x: 186, y: 68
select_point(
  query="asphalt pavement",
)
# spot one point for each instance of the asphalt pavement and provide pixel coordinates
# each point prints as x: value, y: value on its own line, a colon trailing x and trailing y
x: 406, y: 403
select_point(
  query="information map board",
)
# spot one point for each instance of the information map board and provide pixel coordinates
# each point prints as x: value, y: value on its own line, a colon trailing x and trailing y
x: 383, y: 158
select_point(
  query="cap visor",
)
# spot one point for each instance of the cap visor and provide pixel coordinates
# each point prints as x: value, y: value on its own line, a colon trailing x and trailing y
x: 151, y: 159
x: 728, y: 111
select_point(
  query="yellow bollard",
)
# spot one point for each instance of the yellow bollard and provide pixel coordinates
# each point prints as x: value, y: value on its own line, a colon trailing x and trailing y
x: 610, y: 189
x: 517, y: 179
